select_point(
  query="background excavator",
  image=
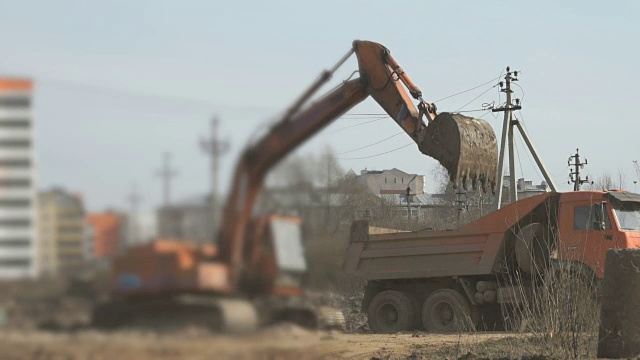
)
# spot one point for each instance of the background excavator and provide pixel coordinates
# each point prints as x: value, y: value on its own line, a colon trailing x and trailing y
x: 254, y: 275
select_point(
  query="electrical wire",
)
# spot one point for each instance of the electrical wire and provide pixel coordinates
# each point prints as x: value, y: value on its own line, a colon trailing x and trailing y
x: 471, y: 89
x: 522, y: 90
x: 475, y: 98
x: 469, y: 111
x: 364, y: 114
x: 375, y: 143
x: 362, y: 123
x: 383, y: 153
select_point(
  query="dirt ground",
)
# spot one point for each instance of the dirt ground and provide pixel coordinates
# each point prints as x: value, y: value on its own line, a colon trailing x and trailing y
x: 283, y: 341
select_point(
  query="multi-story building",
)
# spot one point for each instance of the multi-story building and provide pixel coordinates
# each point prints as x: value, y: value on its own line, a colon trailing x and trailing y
x: 17, y: 195
x: 61, y: 232
x: 392, y: 181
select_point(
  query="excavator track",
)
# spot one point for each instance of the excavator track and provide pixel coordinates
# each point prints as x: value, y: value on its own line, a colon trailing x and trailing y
x: 218, y: 314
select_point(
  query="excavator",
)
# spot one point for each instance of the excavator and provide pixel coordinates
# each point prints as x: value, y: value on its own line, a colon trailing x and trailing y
x: 254, y: 276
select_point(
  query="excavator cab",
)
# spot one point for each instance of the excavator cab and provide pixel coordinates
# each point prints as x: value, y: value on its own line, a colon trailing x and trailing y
x: 274, y: 258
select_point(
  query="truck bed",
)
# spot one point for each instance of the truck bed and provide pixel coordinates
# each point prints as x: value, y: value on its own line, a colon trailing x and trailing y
x: 470, y: 250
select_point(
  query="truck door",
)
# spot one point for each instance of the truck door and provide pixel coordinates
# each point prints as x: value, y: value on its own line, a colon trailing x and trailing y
x: 581, y: 240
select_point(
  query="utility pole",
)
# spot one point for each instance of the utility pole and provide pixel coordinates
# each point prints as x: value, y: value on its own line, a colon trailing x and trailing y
x: 166, y: 173
x: 507, y: 142
x: 574, y: 175
x: 214, y: 147
x: 409, y: 197
x: 134, y: 200
x: 507, y: 139
x: 637, y: 168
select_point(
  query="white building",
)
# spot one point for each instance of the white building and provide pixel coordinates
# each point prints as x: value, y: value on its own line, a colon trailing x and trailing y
x: 392, y: 181
x: 17, y: 189
x: 525, y: 189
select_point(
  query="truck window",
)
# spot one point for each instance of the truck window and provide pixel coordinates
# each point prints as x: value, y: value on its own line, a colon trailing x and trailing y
x: 628, y: 215
x: 585, y: 216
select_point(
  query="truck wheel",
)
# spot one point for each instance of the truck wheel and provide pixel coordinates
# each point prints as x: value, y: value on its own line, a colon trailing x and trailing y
x: 390, y: 311
x: 447, y: 311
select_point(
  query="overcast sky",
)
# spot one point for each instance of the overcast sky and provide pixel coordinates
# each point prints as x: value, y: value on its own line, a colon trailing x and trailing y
x: 120, y: 82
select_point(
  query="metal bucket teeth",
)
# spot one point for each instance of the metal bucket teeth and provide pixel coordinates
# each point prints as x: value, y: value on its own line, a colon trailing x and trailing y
x: 466, y: 147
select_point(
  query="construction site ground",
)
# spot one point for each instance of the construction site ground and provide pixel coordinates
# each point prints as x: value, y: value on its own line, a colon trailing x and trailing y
x: 282, y: 341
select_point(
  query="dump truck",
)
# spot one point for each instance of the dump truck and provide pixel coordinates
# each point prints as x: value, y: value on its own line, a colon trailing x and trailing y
x: 432, y: 279
x: 254, y: 276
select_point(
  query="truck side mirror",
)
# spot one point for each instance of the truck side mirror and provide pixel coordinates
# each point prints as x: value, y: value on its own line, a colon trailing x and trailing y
x: 598, y: 225
x: 600, y: 214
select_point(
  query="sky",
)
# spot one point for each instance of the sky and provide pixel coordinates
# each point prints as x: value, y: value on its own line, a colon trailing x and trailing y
x: 118, y: 83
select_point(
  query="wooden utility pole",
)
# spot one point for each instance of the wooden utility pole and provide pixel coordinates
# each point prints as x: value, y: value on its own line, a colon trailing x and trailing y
x: 574, y: 175
x: 166, y: 173
x: 214, y: 147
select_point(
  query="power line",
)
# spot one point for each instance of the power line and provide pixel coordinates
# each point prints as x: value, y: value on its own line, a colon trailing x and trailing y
x: 471, y: 89
x: 363, y: 123
x: 521, y: 89
x: 383, y: 153
x: 475, y: 98
x: 470, y: 111
x: 375, y: 143
x: 148, y: 96
x: 365, y: 114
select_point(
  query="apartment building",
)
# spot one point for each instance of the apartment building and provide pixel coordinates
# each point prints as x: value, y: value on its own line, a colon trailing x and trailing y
x: 17, y: 195
x: 61, y: 232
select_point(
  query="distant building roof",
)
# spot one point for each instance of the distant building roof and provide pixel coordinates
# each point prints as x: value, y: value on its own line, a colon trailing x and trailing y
x: 417, y: 199
x: 378, y: 172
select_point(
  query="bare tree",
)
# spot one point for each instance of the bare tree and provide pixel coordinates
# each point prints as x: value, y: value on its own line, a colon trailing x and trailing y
x: 622, y: 179
x: 602, y: 182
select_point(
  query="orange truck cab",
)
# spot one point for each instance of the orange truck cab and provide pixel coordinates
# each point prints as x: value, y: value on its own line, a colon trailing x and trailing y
x: 591, y: 222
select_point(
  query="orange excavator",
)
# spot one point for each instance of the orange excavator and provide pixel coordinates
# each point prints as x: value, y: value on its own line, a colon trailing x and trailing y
x: 254, y: 276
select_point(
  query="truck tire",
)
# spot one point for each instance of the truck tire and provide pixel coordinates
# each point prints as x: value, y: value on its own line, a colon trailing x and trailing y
x: 447, y: 311
x: 533, y: 248
x: 391, y: 311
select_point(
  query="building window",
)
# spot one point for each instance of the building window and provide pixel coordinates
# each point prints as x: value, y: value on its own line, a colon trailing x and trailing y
x: 15, y: 102
x: 15, y: 203
x: 15, y: 183
x: 15, y: 223
x: 15, y: 123
x: 15, y: 143
x: 15, y: 262
x: 402, y: 180
x: 395, y: 180
x: 385, y: 180
x: 15, y: 163
x: 14, y: 243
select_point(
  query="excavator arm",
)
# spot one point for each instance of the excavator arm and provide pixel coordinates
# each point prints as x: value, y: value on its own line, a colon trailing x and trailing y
x: 381, y: 78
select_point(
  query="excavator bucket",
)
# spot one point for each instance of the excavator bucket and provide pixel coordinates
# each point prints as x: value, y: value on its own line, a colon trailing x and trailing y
x: 466, y: 147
